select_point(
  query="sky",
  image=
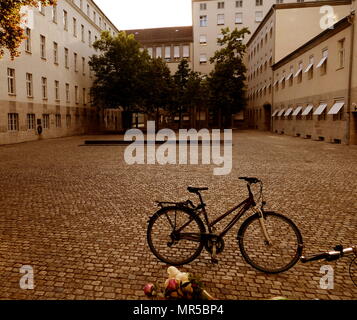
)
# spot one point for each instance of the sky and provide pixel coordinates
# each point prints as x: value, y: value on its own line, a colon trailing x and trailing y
x: 140, y: 14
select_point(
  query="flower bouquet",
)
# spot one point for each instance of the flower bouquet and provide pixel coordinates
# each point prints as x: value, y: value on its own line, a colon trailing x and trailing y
x: 178, y: 286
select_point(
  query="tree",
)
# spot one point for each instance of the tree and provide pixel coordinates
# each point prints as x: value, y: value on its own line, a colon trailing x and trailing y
x: 226, y: 81
x: 11, y: 32
x: 181, y: 78
x: 121, y: 73
x: 158, y: 89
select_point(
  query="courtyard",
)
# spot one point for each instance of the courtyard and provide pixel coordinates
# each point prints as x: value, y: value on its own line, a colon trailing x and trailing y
x: 78, y: 215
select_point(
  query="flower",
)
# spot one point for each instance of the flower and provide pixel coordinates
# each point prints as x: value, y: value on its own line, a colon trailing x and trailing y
x: 149, y: 289
x: 172, y: 285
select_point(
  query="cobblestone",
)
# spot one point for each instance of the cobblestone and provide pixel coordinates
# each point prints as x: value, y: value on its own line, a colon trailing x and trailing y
x: 78, y: 216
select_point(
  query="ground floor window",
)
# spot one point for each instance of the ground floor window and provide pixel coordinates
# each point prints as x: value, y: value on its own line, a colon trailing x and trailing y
x: 13, y: 122
x: 30, y: 121
x: 68, y: 120
x: 58, y: 121
x: 46, y: 121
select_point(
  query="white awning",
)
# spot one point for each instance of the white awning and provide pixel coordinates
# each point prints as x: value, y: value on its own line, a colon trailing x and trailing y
x: 308, y: 109
x: 298, y: 72
x: 275, y: 83
x: 322, y: 61
x: 337, y: 107
x: 282, y: 79
x: 289, y: 76
x: 297, y: 111
x: 288, y: 112
x: 309, y: 67
x: 281, y: 112
x: 320, y: 109
x: 275, y: 113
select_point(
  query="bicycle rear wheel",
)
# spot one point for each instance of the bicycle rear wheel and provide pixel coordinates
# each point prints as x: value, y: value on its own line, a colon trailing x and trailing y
x: 278, y: 256
x: 174, y: 235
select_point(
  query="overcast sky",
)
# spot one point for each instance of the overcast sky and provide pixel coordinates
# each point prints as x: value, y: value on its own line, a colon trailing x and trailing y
x: 138, y: 14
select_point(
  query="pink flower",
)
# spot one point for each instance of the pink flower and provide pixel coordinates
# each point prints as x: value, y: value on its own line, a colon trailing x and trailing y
x: 149, y: 289
x: 172, y: 284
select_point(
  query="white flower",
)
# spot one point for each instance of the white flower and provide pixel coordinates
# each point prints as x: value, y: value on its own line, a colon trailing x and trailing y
x: 172, y: 271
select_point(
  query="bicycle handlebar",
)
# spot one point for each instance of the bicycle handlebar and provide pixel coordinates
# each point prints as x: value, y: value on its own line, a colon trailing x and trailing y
x: 335, y: 254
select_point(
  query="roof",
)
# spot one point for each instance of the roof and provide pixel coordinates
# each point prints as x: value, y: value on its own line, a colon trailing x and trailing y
x: 328, y: 33
x: 293, y: 6
x: 163, y: 35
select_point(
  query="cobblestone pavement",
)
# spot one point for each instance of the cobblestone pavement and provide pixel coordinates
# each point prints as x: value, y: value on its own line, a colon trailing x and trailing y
x: 78, y: 216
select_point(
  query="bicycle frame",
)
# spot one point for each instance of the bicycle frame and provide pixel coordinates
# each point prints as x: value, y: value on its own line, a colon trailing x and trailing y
x: 244, y: 207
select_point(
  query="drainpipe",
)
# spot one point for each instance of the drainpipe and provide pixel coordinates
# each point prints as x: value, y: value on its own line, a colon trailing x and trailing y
x: 348, y: 125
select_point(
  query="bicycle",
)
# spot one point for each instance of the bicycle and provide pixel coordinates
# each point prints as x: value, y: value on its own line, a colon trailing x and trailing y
x: 268, y: 241
x: 337, y: 253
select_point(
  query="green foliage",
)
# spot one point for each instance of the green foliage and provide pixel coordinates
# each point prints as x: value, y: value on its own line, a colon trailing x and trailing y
x: 11, y: 33
x: 226, y: 81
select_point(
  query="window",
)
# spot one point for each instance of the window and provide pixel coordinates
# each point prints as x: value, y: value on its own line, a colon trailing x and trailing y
x: 28, y: 40
x: 158, y: 52
x: 258, y: 16
x: 167, y: 53
x: 11, y: 81
x: 239, y: 18
x: 239, y: 4
x: 220, y: 5
x: 58, y: 121
x: 203, y: 39
x: 310, y: 68
x: 68, y: 120
x: 203, y: 58
x: 341, y: 53
x: 186, y: 51
x: 55, y: 53
x: 90, y: 38
x: 13, y: 121
x: 57, y: 94
x: 323, y: 62
x: 203, y: 6
x: 43, y: 47
x: 290, y: 77
x: 220, y: 19
x: 321, y: 111
x: 65, y: 20
x: 299, y: 72
x: 82, y: 33
x: 100, y: 22
x: 176, y: 52
x: 203, y: 21
x: 54, y: 14
x: 66, y: 62
x: 41, y: 8
x: 84, y: 97
x: 94, y: 17
x: 75, y: 58
x: 76, y: 94
x: 258, y: 3
x: 30, y: 121
x: 337, y: 110
x: 67, y: 93
x: 308, y: 112
x: 46, y: 121
x: 83, y: 66
x: 44, y: 87
x: 74, y: 27
x: 29, y: 85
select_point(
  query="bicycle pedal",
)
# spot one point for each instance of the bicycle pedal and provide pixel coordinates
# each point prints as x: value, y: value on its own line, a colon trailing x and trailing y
x: 214, y: 261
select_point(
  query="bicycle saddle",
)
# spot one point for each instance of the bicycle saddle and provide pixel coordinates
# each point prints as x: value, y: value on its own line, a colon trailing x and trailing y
x: 249, y: 180
x: 196, y: 190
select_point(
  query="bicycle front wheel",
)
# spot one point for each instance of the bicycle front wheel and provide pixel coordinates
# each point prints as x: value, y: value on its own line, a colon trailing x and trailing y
x: 174, y: 235
x: 281, y: 253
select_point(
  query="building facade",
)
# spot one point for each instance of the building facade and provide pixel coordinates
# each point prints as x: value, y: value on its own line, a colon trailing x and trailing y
x: 321, y: 102
x: 271, y: 42
x: 171, y: 44
x: 45, y: 93
x: 210, y: 16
